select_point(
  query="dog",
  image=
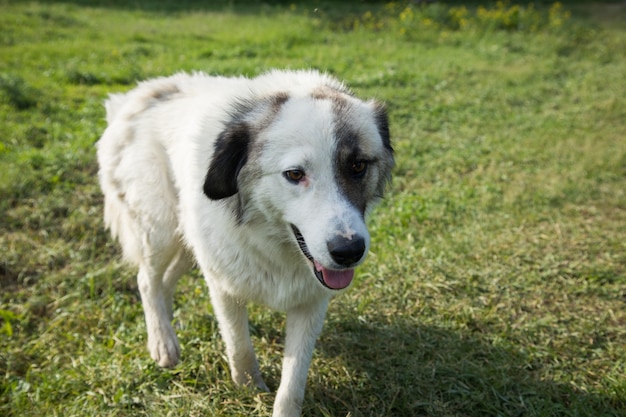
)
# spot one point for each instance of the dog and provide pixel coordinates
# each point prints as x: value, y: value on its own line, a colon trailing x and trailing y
x: 263, y: 183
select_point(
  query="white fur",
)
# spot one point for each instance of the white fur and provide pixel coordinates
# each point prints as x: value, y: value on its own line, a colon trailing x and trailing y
x: 154, y: 157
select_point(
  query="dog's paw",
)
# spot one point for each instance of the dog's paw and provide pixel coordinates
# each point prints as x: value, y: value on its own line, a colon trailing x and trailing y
x: 250, y: 379
x: 261, y: 385
x: 286, y: 407
x: 164, y: 348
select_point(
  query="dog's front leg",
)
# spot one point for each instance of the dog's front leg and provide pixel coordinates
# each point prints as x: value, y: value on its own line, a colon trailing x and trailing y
x: 304, y: 325
x: 232, y: 318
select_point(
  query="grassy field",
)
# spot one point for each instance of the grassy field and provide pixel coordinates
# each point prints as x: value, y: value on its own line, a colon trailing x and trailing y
x: 496, y: 285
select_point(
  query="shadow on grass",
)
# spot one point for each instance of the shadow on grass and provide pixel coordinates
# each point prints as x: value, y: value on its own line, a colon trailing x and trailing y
x: 403, y: 370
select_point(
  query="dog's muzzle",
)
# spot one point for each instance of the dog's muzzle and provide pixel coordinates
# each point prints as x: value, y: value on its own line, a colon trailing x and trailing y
x: 345, y: 252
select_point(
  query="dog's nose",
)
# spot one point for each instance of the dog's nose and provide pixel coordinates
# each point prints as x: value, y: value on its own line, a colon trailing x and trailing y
x: 346, y: 252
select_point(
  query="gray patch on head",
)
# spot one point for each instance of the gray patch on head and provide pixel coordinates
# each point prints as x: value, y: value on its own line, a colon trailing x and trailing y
x: 327, y: 92
x: 348, y: 152
x: 274, y: 103
x: 256, y: 110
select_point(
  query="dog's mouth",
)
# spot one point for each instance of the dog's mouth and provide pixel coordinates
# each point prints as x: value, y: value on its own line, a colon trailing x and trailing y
x: 330, y: 278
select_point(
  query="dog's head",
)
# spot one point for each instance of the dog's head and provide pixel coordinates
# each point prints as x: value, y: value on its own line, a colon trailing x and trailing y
x: 310, y: 164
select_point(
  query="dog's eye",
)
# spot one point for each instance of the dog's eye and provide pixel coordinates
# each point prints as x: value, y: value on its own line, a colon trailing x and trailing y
x: 359, y: 168
x: 294, y: 175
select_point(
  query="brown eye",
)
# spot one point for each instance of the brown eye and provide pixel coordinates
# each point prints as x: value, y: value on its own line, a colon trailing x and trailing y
x: 294, y: 175
x: 359, y: 168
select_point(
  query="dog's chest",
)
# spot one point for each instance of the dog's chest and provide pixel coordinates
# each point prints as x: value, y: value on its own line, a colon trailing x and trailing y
x: 257, y: 269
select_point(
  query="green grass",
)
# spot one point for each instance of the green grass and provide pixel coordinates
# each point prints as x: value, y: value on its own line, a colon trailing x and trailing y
x: 496, y: 285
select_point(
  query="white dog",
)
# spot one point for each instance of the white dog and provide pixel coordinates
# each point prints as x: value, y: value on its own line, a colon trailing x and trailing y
x: 264, y: 183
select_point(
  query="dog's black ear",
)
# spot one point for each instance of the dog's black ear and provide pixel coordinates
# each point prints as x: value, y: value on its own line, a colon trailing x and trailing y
x: 382, y: 122
x: 229, y: 156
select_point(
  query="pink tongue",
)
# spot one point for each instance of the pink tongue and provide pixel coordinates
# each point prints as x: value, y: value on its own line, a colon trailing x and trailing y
x: 335, y: 279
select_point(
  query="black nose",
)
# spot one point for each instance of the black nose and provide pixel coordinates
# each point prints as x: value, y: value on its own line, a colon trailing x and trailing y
x: 346, y: 252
